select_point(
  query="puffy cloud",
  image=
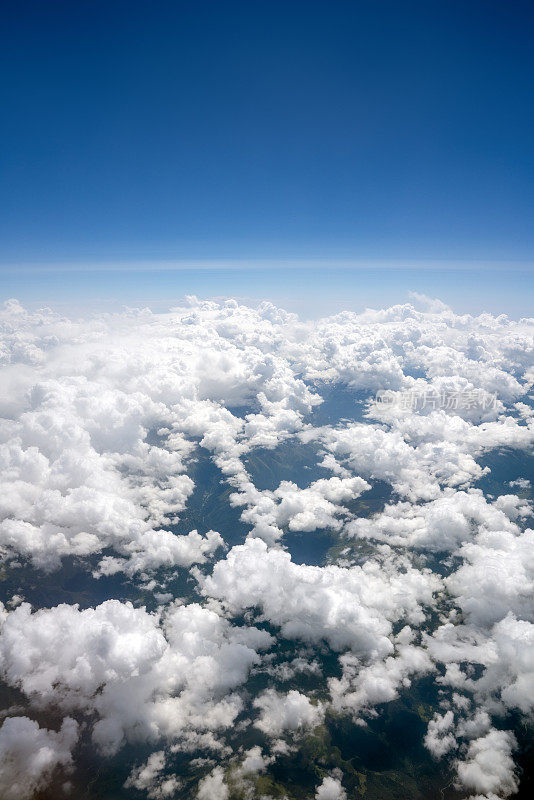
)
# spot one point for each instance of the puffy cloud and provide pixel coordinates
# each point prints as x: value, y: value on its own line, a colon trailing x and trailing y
x: 319, y: 505
x: 29, y: 755
x: 100, y: 420
x: 380, y: 349
x: 286, y: 670
x: 240, y: 777
x: 281, y: 712
x: 213, y: 787
x: 181, y: 671
x: 64, y: 498
x: 150, y: 778
x: 506, y: 651
x: 362, y: 687
x: 82, y: 397
x: 419, y: 455
x: 351, y: 608
x: 330, y: 789
x: 444, y: 523
x: 161, y: 548
x: 520, y: 483
x: 439, y: 738
x: 475, y: 726
x: 489, y: 766
x: 348, y: 607
x: 415, y: 472
x: 496, y: 576
x: 254, y: 761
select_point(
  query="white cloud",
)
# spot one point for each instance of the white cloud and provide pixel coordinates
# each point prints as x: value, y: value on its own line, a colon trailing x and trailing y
x: 362, y: 687
x: 254, y: 761
x: 520, y: 483
x: 150, y: 778
x: 489, y: 766
x: 330, y: 789
x: 81, y: 397
x: 29, y: 755
x: 99, y: 422
x: 439, y: 738
x: 496, y: 576
x: 319, y: 505
x: 180, y: 672
x: 213, y: 787
x: 286, y: 712
x: 443, y: 524
x: 348, y: 607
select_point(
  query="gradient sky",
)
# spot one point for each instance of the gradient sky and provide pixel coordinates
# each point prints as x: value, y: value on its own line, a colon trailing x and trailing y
x: 266, y: 130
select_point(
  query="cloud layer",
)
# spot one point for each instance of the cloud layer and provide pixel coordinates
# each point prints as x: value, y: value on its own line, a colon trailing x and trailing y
x: 102, y: 422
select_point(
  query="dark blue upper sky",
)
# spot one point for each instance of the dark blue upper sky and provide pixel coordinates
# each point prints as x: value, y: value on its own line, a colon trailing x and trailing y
x: 158, y: 129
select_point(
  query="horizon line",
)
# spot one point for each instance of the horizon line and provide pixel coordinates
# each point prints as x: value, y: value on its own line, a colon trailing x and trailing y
x: 243, y: 264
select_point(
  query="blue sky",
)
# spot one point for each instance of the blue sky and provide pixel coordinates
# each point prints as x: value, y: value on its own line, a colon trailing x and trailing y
x: 365, y: 132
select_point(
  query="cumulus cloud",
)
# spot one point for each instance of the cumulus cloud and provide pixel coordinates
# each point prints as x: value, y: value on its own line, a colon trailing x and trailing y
x: 29, y: 755
x: 60, y: 496
x: 439, y: 738
x: 330, y: 789
x: 348, y: 607
x: 319, y: 505
x: 351, y: 608
x: 213, y: 786
x: 81, y: 399
x: 443, y: 524
x: 254, y: 761
x: 362, y: 687
x: 418, y: 459
x: 150, y: 778
x: 506, y: 652
x: 489, y: 766
x: 100, y: 422
x: 180, y: 670
x: 286, y: 712
x: 496, y: 576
